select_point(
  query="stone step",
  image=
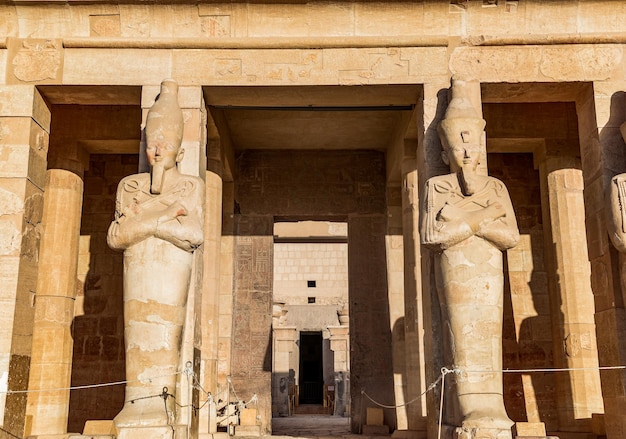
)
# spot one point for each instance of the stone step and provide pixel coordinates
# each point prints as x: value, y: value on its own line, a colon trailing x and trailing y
x: 91, y: 436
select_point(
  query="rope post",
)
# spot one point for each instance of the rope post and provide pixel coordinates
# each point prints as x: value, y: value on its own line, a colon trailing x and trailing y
x: 444, y: 372
x: 190, y: 373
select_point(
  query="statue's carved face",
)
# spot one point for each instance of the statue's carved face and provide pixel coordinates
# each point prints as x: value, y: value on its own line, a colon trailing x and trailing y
x: 463, y: 152
x: 162, y: 151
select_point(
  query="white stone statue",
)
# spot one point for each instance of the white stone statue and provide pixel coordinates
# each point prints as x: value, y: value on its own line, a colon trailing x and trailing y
x: 468, y: 220
x: 617, y: 207
x: 158, y: 224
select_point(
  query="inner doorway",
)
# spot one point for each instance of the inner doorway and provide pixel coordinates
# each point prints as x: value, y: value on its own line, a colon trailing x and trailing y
x: 311, y: 368
x: 310, y: 325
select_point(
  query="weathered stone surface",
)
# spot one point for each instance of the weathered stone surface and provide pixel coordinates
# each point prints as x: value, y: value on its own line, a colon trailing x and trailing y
x: 595, y: 63
x: 467, y: 232
x: 34, y: 60
x: 158, y: 223
x: 545, y: 68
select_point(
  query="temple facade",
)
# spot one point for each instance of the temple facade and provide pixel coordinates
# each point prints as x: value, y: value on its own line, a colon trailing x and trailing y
x: 322, y: 113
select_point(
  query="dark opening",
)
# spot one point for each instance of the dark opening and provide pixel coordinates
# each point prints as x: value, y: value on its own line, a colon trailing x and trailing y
x: 311, y: 283
x: 311, y: 381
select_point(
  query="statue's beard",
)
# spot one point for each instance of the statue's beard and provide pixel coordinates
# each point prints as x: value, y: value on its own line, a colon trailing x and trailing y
x: 156, y: 178
x: 468, y: 180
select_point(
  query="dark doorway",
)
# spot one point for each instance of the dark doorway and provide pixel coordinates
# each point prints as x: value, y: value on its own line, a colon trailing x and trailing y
x: 311, y: 380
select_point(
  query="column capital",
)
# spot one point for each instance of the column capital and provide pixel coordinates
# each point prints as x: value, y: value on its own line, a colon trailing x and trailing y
x: 287, y: 333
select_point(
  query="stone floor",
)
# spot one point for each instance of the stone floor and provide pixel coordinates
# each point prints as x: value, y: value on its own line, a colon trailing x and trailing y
x: 311, y: 426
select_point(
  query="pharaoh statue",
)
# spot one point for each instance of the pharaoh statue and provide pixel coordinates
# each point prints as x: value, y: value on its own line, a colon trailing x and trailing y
x: 617, y: 207
x: 468, y: 220
x: 158, y: 224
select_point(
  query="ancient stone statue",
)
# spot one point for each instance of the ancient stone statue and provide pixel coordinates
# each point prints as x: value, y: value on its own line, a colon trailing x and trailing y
x: 468, y: 220
x: 158, y: 224
x: 617, y: 207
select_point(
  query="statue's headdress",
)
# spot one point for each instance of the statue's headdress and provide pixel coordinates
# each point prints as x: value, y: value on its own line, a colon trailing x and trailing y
x: 165, y: 118
x: 461, y: 124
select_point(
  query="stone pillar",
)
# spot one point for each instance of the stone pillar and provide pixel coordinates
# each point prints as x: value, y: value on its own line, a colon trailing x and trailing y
x: 370, y: 338
x: 340, y: 345
x: 24, y: 133
x: 601, y: 111
x: 284, y: 343
x: 227, y: 280
x: 252, y: 313
x: 413, y: 301
x: 429, y: 163
x: 571, y: 297
x: 51, y: 362
x: 191, y: 101
x: 395, y: 292
x: 209, y: 310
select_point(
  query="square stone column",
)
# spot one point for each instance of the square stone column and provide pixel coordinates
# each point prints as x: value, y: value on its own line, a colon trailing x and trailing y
x: 395, y: 291
x: 226, y: 297
x: 429, y: 163
x: 24, y: 134
x: 252, y: 313
x: 340, y: 345
x: 571, y: 297
x: 284, y: 344
x: 209, y: 306
x: 413, y: 297
x: 51, y: 362
x: 370, y: 338
x: 601, y: 111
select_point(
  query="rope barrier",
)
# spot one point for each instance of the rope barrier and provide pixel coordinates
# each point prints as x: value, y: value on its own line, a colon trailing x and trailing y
x: 87, y: 386
x: 431, y: 387
x: 445, y: 371
x: 191, y: 375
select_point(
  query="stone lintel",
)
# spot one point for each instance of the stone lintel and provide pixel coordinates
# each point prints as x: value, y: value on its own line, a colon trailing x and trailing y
x: 24, y: 100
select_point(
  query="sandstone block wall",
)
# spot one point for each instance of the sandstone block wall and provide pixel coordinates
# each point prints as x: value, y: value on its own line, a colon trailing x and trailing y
x: 527, y: 337
x: 325, y: 264
x: 98, y: 326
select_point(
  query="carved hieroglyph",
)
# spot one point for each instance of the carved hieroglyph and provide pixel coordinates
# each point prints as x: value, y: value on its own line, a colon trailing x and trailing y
x: 468, y: 220
x: 158, y: 224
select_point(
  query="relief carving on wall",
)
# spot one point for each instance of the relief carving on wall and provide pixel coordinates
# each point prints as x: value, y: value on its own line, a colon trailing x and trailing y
x: 34, y: 60
x: 105, y: 25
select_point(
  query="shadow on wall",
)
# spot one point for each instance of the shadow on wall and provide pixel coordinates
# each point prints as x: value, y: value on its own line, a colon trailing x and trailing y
x: 528, y: 397
x: 98, y: 329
